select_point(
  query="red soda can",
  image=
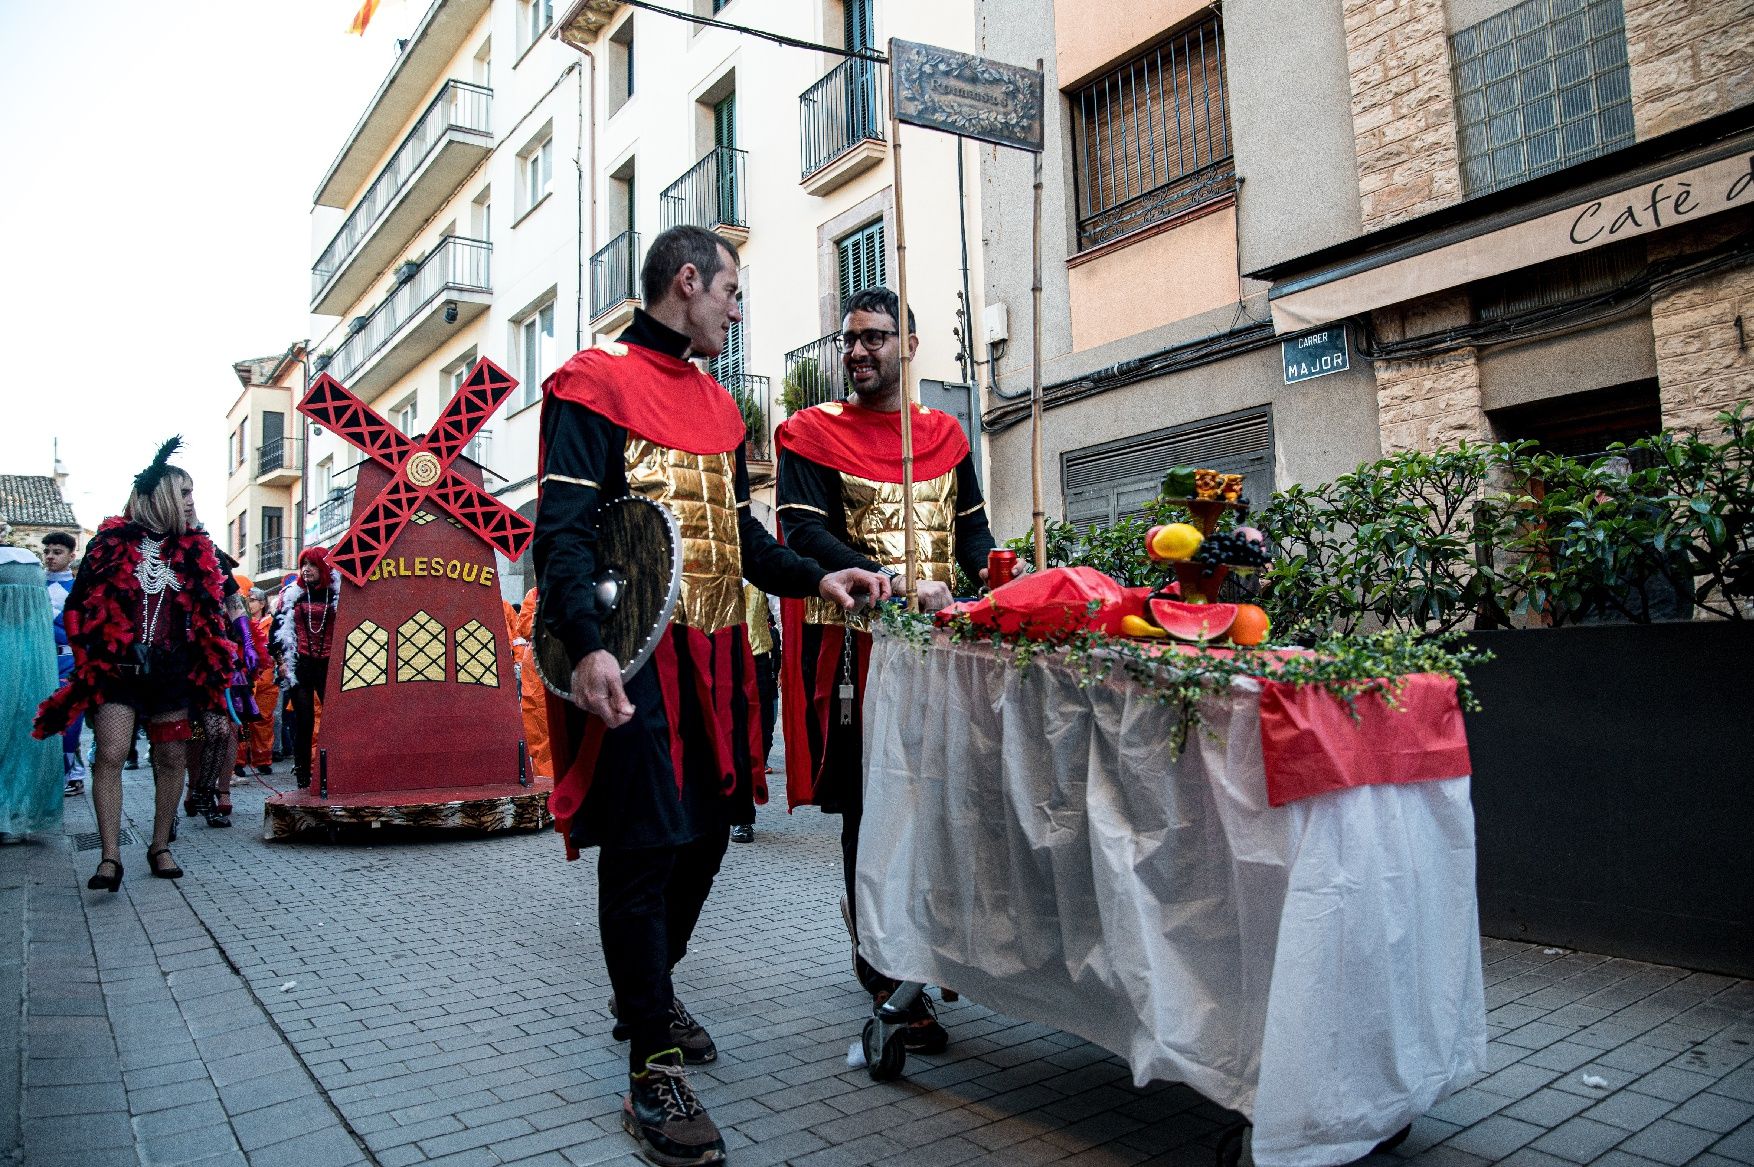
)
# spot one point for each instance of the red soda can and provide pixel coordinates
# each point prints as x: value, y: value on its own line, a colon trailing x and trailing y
x: 1001, y: 567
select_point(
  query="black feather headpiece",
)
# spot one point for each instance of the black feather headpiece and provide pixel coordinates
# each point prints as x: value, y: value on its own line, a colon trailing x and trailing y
x: 148, y: 479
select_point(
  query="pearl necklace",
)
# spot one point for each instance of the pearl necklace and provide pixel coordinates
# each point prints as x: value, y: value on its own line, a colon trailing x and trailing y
x: 316, y: 627
x: 155, y: 575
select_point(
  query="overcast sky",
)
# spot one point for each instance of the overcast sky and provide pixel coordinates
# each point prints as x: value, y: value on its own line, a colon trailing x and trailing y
x: 160, y: 159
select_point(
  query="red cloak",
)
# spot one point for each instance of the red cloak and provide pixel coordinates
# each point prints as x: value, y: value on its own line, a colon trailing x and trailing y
x: 866, y: 443
x: 670, y: 402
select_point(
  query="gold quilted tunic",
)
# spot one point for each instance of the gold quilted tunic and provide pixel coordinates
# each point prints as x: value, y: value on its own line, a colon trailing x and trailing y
x: 875, y: 529
x: 701, y: 491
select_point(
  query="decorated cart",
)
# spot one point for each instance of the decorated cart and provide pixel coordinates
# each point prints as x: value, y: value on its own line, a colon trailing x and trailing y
x: 1245, y: 868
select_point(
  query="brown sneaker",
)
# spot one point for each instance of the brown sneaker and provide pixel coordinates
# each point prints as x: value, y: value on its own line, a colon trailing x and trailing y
x: 689, y: 1035
x: 665, y: 1117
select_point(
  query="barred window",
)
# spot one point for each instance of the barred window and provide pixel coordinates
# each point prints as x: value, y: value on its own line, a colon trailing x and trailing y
x: 1539, y: 87
x: 1152, y: 138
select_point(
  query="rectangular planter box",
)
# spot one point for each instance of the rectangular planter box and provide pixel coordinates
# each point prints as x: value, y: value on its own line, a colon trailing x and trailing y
x: 1614, y: 790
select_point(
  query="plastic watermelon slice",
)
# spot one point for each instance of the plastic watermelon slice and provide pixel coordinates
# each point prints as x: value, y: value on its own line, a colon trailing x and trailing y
x: 1193, y: 621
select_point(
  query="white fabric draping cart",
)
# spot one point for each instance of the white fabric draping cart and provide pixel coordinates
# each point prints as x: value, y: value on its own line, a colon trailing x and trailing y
x: 1038, y: 846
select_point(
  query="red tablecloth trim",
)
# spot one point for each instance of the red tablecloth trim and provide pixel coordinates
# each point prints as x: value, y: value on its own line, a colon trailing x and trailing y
x: 1311, y: 744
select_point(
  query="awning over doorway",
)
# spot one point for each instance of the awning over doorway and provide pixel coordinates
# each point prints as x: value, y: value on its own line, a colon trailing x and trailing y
x: 1609, y: 210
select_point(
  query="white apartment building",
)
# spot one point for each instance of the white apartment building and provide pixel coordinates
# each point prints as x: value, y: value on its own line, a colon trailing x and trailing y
x: 786, y: 152
x: 449, y: 228
x: 264, y: 458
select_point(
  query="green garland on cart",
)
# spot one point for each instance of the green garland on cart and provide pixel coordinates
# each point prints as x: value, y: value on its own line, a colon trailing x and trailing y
x: 1347, y: 667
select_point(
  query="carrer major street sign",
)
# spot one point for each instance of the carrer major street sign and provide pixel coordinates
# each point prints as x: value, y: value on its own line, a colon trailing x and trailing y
x: 963, y: 94
x: 1315, y: 354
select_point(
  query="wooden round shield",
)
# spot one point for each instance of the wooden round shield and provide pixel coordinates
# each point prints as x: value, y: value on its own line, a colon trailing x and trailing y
x: 639, y: 579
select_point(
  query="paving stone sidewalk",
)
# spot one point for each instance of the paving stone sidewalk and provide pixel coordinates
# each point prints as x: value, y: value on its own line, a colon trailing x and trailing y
x: 402, y: 1000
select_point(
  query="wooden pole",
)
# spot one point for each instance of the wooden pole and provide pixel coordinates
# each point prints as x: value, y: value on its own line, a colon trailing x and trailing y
x: 1041, y: 535
x: 907, y: 392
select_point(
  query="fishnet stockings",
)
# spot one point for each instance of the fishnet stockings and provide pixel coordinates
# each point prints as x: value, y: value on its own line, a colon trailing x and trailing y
x: 211, y: 758
x: 113, y: 727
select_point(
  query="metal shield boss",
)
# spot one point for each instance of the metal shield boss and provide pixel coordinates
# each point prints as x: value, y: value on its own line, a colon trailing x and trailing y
x: 638, y: 582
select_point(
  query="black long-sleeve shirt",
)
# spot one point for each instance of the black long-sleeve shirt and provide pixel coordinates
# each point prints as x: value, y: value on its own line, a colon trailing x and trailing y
x: 581, y: 447
x: 824, y: 536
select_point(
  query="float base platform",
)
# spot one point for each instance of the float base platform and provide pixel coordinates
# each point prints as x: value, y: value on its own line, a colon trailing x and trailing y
x: 508, y: 807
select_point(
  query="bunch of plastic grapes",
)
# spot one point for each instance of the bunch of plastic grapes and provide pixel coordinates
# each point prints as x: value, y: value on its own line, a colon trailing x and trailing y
x: 1230, y: 548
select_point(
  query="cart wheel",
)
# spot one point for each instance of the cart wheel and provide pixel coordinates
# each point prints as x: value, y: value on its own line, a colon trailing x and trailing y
x: 1231, y: 1144
x: 1394, y: 1140
x: 884, y: 1064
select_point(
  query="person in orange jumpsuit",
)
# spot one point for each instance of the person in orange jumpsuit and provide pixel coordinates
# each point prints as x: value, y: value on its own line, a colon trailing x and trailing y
x: 520, y: 622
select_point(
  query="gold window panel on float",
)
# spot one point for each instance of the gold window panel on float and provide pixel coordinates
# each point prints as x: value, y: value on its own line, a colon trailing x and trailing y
x: 420, y: 649
x: 477, y: 659
x: 365, y: 660
x: 420, y: 518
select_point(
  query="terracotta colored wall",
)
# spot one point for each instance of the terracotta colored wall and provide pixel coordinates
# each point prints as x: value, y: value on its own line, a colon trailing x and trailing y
x: 1163, y: 278
x: 1089, y: 37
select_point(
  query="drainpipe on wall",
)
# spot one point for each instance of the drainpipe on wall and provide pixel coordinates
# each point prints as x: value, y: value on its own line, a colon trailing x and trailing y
x: 587, y: 181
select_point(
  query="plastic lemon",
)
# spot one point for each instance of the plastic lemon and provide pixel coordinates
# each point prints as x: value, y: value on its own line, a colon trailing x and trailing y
x: 1176, y: 541
x: 1137, y: 626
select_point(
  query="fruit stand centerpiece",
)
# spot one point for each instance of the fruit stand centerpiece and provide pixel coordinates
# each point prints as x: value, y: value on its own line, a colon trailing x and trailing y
x: 1196, y: 559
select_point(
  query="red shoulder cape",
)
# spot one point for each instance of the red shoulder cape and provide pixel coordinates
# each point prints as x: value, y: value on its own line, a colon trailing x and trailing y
x: 659, y: 398
x: 851, y: 439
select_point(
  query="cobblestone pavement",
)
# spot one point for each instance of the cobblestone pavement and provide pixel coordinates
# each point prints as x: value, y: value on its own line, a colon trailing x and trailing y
x: 441, y: 1000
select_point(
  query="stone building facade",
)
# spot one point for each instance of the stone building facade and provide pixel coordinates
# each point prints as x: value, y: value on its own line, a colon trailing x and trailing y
x: 1526, y: 219
x: 1474, y: 120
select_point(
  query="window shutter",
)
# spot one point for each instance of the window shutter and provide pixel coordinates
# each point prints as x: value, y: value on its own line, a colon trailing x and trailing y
x: 1117, y: 480
x: 857, y: 24
x: 861, y: 261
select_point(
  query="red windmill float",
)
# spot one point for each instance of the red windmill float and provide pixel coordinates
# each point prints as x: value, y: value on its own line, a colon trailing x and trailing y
x: 420, y: 721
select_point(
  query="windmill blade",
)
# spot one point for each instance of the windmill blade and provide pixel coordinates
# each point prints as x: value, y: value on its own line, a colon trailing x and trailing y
x: 504, y: 529
x: 359, y: 551
x: 463, y: 415
x: 332, y: 404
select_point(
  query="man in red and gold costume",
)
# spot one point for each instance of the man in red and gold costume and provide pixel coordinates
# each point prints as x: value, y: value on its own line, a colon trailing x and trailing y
x: 840, y: 502
x: 647, y: 773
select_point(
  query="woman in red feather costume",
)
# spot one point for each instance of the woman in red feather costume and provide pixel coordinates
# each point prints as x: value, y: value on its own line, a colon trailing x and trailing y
x: 147, y: 626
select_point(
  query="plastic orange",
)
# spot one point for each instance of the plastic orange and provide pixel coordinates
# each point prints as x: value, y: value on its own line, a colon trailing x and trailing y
x: 1251, y: 625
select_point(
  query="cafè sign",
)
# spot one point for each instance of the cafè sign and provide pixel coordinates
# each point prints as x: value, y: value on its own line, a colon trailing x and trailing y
x: 1657, y: 204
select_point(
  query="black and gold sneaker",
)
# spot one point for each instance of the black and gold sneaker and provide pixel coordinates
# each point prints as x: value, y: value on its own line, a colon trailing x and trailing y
x: 666, y: 1118
x: 689, y: 1035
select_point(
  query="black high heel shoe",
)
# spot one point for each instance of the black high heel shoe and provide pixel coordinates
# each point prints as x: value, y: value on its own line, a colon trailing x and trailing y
x: 171, y: 872
x: 100, y: 882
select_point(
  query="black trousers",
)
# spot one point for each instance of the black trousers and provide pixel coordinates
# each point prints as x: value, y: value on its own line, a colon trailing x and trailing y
x: 648, y: 901
x: 311, y: 677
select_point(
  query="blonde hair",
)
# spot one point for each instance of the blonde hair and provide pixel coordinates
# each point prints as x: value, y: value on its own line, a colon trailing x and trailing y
x: 161, y: 510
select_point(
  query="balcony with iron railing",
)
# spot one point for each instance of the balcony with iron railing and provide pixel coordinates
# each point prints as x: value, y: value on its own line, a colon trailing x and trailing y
x: 754, y: 397
x: 813, y: 375
x: 615, y: 287
x: 277, y: 462
x: 841, y: 125
x: 446, y: 144
x: 335, y: 509
x: 449, y: 288
x: 273, y: 555
x: 710, y: 195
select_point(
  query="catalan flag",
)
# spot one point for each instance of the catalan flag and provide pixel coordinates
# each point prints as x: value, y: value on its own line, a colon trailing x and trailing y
x: 363, y: 17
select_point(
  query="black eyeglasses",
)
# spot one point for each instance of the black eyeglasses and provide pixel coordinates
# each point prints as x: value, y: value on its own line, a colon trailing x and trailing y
x: 872, y: 338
